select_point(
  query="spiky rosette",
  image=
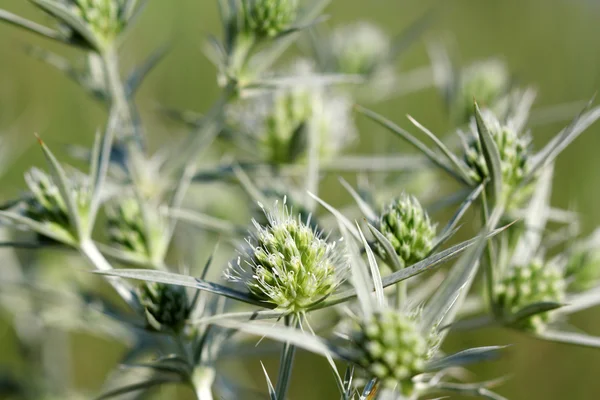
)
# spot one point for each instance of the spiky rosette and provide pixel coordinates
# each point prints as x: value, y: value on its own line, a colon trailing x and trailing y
x: 47, y: 205
x: 360, y: 48
x: 268, y: 18
x: 408, y: 228
x: 130, y: 231
x: 392, y: 348
x: 166, y: 306
x: 289, y: 264
x: 514, y: 153
x: 105, y: 18
x: 528, y: 284
x: 485, y: 81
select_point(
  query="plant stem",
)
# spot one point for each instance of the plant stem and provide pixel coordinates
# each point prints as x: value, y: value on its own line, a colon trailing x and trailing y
x: 89, y: 250
x: 202, y: 380
x: 400, y: 294
x: 286, y: 362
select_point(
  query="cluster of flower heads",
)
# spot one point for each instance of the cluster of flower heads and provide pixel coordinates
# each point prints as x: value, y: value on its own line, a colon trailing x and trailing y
x: 514, y: 151
x: 392, y: 348
x: 284, y: 122
x: 288, y: 263
x: 525, y: 285
x: 269, y: 18
x: 408, y: 228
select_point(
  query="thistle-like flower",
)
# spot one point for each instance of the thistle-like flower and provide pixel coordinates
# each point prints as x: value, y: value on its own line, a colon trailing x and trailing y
x: 166, y: 306
x: 392, y: 348
x: 104, y: 17
x: 284, y: 121
x: 130, y: 230
x: 269, y: 18
x: 514, y: 150
x: 289, y: 264
x: 582, y: 263
x: 408, y: 228
x: 485, y: 81
x: 360, y: 48
x: 46, y: 204
x: 528, y: 284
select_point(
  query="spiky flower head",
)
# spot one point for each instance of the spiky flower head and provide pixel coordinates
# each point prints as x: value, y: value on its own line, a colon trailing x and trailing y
x: 359, y: 48
x: 407, y: 226
x: 392, y: 348
x: 583, y: 264
x: 284, y: 120
x: 166, y: 306
x: 528, y: 284
x: 514, y: 150
x: 288, y: 263
x: 269, y: 18
x: 485, y: 81
x: 47, y: 205
x: 105, y: 18
x: 130, y: 230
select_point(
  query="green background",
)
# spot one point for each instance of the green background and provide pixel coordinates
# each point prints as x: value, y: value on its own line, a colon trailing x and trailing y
x: 551, y: 44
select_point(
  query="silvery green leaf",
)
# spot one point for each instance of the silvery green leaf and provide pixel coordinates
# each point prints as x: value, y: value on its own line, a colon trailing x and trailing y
x: 293, y: 336
x: 342, y: 220
x: 405, y: 135
x: 581, y: 301
x: 165, y: 368
x: 208, y: 222
x: 490, y: 153
x: 63, y: 185
x: 580, y: 339
x: 125, y: 257
x: 428, y: 264
x: 31, y: 26
x: 62, y: 13
x: 43, y: 229
x: 272, y: 394
x: 535, y: 219
x: 451, y: 226
x: 347, y: 383
x: 466, y: 357
x: 470, y: 389
x: 184, y: 280
x: 134, y: 387
x: 359, y: 277
x: 391, y: 257
x: 240, y: 316
x: 458, y: 165
x: 563, y: 139
x: 303, y: 80
x: 137, y: 76
x: 365, y: 207
x: 379, y: 163
x: 534, y: 309
x: 375, y: 275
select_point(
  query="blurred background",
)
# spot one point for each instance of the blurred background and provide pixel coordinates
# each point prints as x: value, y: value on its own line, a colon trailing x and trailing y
x: 550, y: 44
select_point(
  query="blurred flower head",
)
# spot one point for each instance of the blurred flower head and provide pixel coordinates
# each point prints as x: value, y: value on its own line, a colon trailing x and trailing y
x: 166, y: 306
x: 269, y: 18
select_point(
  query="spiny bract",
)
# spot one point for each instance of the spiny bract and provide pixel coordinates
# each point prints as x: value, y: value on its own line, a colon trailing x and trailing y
x: 528, y: 284
x: 407, y: 226
x: 288, y: 264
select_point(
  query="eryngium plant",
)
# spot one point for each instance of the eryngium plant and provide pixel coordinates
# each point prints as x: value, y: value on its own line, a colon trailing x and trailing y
x: 288, y: 263
x: 269, y: 18
x: 408, y: 228
x: 166, y: 306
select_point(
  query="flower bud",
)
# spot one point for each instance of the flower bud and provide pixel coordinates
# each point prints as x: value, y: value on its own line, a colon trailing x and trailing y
x: 289, y: 264
x: 392, y: 348
x: 105, y: 18
x: 408, y: 228
x: 166, y: 306
x: 269, y: 18
x: 529, y: 284
x: 514, y: 156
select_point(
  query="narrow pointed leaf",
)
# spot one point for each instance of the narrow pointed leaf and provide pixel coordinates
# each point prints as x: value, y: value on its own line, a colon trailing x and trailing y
x: 379, y: 296
x: 43, y: 229
x: 272, y: 394
x: 342, y: 220
x: 467, y: 357
x: 451, y: 226
x: 580, y: 339
x: 490, y: 153
x: 137, y: 76
x: 366, y: 209
x: 391, y: 257
x: 207, y: 222
x: 359, y: 276
x: 134, y: 387
x: 534, y: 309
x: 581, y: 301
x: 30, y: 26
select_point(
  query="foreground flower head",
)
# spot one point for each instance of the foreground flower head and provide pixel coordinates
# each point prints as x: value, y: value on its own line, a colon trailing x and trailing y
x: 392, y: 348
x: 289, y: 264
x: 528, y: 284
x: 284, y: 120
x: 166, y: 306
x: 514, y: 150
x: 408, y: 228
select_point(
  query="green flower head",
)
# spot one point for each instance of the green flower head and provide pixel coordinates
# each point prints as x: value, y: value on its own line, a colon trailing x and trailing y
x: 528, y: 284
x: 288, y: 263
x: 392, y: 348
x: 408, y: 228
x: 105, y: 18
x: 269, y: 18
x: 166, y: 306
x: 583, y: 264
x: 515, y: 156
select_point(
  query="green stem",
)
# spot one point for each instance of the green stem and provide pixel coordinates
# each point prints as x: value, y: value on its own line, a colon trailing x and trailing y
x: 286, y: 362
x: 202, y: 380
x: 400, y: 294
